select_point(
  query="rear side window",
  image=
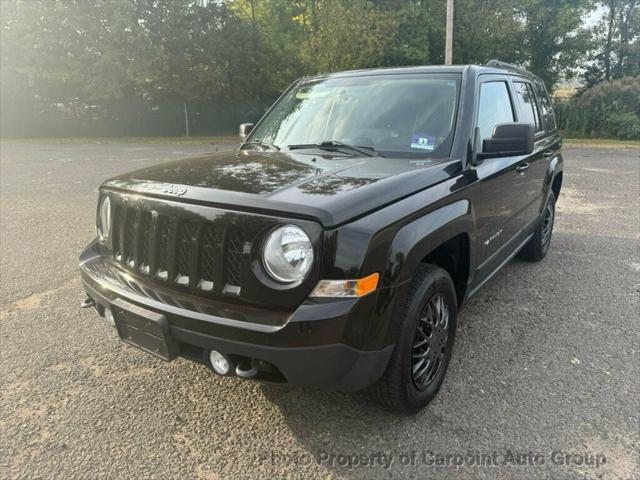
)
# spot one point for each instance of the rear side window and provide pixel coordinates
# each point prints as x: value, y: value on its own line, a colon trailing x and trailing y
x: 494, y: 108
x: 545, y: 106
x: 528, y: 108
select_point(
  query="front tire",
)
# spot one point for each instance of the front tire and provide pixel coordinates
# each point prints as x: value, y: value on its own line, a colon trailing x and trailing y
x: 536, y: 248
x: 424, y: 343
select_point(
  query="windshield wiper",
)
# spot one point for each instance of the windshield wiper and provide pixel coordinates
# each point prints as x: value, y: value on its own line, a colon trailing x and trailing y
x: 367, y: 151
x: 262, y: 144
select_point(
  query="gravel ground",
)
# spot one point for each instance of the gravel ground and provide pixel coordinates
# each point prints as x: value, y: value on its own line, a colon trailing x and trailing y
x: 546, y: 358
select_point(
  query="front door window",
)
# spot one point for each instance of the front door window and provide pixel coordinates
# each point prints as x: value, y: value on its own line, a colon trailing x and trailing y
x: 495, y: 107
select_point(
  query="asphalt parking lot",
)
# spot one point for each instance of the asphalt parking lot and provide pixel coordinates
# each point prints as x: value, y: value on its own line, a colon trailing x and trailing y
x: 546, y: 362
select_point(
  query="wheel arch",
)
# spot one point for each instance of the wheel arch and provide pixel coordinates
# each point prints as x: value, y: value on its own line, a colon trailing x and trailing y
x: 556, y: 184
x: 441, y: 237
x: 554, y: 178
x: 453, y: 256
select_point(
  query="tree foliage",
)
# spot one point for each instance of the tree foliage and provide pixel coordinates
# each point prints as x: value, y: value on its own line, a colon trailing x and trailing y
x: 615, y: 47
x: 553, y: 36
x: 193, y: 50
x: 609, y: 109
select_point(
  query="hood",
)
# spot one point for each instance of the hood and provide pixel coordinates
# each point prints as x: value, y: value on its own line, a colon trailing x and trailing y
x: 329, y: 187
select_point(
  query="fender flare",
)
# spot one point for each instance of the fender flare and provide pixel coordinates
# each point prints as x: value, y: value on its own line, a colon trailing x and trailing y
x: 555, y: 167
x: 417, y: 239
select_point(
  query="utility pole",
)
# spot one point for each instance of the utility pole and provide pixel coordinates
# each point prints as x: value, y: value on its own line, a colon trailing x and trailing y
x: 448, y: 45
x: 186, y: 119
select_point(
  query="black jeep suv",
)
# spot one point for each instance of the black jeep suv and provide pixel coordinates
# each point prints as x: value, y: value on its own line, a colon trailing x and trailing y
x: 335, y: 247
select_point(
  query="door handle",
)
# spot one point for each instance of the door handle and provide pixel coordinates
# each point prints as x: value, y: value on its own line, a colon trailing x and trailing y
x: 522, y: 168
x: 547, y: 153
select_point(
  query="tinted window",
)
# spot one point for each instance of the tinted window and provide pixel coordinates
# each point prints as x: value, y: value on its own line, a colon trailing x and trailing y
x: 545, y: 107
x: 494, y: 108
x: 527, y: 102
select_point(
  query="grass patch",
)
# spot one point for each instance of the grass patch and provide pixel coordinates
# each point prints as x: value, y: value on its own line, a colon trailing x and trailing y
x: 601, y: 142
x: 203, y: 140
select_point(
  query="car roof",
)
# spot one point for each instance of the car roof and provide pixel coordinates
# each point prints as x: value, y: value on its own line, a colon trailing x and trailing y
x: 442, y: 69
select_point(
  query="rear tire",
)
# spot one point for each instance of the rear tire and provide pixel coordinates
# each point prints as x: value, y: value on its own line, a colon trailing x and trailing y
x: 424, y: 342
x: 536, y: 248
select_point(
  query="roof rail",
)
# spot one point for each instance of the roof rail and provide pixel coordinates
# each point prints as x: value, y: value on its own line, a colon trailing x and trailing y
x: 507, y: 66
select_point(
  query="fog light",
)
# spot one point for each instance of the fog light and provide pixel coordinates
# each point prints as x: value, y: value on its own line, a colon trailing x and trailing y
x: 219, y: 362
x: 108, y: 314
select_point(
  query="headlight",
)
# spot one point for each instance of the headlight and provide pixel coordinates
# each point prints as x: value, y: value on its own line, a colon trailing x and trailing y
x: 288, y: 254
x: 104, y: 219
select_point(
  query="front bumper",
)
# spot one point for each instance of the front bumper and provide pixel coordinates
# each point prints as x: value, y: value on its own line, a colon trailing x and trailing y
x: 322, y: 343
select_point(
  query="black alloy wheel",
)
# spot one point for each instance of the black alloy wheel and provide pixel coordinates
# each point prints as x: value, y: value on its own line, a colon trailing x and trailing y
x: 430, y: 342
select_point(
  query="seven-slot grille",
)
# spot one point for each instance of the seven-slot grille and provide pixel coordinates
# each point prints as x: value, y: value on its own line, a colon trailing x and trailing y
x: 180, y: 251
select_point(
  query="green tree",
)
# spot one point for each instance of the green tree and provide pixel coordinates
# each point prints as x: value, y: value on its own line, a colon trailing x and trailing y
x: 276, y: 44
x: 204, y: 48
x: 615, y: 42
x: 488, y: 29
x: 418, y: 36
x: 554, y: 38
x: 341, y: 35
x: 76, y: 49
x: 247, y: 51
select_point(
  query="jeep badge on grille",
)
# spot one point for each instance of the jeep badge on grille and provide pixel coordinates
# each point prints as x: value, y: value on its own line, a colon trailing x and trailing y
x: 174, y: 190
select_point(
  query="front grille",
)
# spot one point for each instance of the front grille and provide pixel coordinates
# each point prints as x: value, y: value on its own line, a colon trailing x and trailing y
x: 163, y: 246
x: 146, y: 232
x: 209, y: 259
x: 178, y: 251
x: 234, y: 259
x: 186, y: 243
x: 129, y: 234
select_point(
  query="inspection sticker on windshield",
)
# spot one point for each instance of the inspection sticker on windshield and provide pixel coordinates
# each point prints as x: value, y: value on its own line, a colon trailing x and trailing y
x: 424, y: 142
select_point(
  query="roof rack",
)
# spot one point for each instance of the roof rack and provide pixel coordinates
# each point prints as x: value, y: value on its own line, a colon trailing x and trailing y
x: 507, y: 66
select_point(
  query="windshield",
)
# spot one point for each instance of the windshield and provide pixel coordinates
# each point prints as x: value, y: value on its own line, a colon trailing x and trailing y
x: 409, y: 115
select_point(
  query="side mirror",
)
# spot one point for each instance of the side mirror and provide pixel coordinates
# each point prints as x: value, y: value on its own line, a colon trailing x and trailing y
x: 245, y: 129
x: 509, y: 140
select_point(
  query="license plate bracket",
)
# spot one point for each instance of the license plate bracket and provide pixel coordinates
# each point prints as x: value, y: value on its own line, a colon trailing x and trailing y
x: 144, y: 329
